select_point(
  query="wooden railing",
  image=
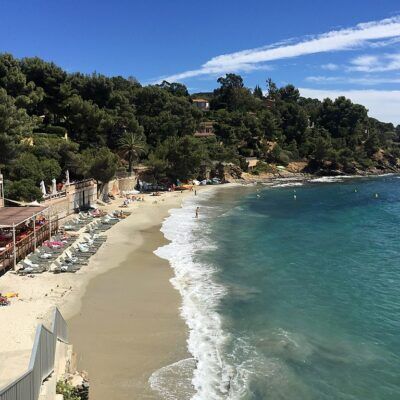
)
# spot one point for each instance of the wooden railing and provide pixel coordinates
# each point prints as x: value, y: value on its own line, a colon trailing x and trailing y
x: 27, y: 245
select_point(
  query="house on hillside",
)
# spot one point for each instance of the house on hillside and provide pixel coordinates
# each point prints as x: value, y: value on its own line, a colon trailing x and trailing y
x: 206, y: 129
x: 201, y: 104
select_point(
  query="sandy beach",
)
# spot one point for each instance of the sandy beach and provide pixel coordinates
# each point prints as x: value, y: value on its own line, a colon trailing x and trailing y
x: 129, y: 323
x: 122, y: 311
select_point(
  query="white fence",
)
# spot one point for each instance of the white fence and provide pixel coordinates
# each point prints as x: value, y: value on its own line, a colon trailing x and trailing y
x: 41, y: 365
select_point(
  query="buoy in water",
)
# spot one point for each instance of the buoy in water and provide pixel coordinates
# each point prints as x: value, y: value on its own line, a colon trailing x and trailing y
x: 376, y: 195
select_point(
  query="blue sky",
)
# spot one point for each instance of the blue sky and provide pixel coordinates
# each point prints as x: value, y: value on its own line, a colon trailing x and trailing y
x: 326, y: 48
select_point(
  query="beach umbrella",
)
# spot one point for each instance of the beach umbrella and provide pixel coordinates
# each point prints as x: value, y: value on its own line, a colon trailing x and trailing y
x: 67, y: 182
x: 43, y: 188
x: 53, y: 186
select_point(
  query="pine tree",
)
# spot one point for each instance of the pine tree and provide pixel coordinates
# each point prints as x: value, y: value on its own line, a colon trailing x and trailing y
x: 258, y: 92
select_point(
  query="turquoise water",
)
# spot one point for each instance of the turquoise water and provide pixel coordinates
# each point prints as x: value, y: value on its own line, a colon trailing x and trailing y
x: 308, y: 300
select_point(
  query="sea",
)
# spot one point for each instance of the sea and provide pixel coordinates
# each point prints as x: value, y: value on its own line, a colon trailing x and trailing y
x: 290, y: 291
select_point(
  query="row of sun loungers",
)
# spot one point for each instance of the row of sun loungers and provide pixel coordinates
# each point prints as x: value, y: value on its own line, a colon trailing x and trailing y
x: 78, y: 255
x: 68, y: 254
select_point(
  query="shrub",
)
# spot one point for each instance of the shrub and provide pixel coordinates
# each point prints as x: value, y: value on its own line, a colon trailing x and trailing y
x: 67, y: 390
x: 261, y: 167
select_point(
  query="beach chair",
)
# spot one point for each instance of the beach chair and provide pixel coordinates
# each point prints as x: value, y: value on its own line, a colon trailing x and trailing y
x: 27, y: 267
x: 29, y: 263
x: 62, y: 268
x: 74, y: 261
x: 83, y: 248
x: 34, y: 260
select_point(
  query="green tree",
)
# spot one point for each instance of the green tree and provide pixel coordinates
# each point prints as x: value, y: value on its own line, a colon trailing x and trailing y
x: 101, y: 164
x: 289, y: 93
x: 257, y: 92
x: 14, y: 121
x: 321, y: 149
x: 22, y: 190
x: 132, y: 145
x: 233, y: 95
x: 27, y: 166
x: 183, y: 157
x: 177, y: 89
x: 8, y: 149
x: 372, y: 144
x: 272, y: 89
x: 50, y: 169
x: 158, y: 167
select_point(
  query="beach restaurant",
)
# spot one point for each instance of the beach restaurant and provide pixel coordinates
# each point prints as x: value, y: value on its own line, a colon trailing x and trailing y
x: 22, y: 229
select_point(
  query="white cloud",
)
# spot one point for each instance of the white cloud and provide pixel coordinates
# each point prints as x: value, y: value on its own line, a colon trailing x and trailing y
x: 365, y: 80
x: 368, y: 63
x: 382, y: 104
x: 330, y: 67
x: 364, y: 34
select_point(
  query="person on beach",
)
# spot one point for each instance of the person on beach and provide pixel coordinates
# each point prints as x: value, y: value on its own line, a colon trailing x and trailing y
x: 197, y: 212
x: 195, y: 192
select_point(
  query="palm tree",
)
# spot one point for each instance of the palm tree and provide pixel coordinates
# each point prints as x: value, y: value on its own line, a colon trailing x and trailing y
x: 131, y: 146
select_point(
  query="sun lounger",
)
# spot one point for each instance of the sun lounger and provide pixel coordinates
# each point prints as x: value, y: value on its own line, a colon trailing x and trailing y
x: 60, y: 268
x: 28, y: 269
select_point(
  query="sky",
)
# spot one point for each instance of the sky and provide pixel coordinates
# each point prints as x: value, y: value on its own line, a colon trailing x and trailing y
x: 325, y: 48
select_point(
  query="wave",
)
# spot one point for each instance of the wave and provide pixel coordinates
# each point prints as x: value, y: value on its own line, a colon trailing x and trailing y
x: 201, y: 296
x: 327, y: 179
x: 174, y: 381
x: 341, y: 178
x: 288, y: 184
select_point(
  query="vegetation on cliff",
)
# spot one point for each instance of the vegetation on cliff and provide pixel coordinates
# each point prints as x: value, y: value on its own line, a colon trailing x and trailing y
x: 94, y: 125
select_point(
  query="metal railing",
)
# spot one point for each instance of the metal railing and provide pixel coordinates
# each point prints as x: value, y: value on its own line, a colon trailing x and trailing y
x: 41, y: 365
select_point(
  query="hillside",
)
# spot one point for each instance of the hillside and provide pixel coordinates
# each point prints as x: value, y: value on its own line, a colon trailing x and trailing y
x: 94, y: 125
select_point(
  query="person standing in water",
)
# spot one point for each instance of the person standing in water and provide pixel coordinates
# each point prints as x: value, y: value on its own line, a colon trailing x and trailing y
x: 197, y: 212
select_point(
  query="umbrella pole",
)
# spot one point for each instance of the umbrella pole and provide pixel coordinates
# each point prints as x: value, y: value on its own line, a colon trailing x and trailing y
x: 14, y: 249
x: 49, y: 223
x: 34, y: 233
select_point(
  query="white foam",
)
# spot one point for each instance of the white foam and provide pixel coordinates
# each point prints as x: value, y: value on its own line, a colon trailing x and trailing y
x: 288, y: 184
x: 224, y: 367
x: 339, y: 178
x: 327, y: 179
x: 173, y: 382
x: 200, y: 296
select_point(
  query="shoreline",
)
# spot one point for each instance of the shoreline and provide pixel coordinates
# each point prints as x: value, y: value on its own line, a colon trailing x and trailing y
x: 135, y: 238
x: 39, y: 295
x: 128, y: 324
x: 142, y: 330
